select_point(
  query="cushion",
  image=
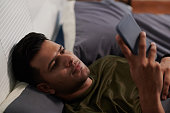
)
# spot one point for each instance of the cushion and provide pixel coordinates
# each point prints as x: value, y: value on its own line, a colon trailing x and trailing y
x: 95, y: 29
x: 157, y: 30
x: 26, y: 99
x: 43, y: 14
x: 69, y: 26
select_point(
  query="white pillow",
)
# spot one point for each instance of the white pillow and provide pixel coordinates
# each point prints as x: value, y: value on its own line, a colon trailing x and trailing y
x: 69, y: 25
x: 43, y: 15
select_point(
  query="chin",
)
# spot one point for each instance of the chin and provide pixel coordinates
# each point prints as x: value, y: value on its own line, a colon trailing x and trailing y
x: 85, y: 72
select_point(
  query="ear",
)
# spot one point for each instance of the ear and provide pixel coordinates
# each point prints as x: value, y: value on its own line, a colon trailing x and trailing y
x: 44, y: 87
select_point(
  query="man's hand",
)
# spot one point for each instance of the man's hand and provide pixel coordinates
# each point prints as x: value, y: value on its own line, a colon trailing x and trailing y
x: 165, y: 67
x: 146, y: 73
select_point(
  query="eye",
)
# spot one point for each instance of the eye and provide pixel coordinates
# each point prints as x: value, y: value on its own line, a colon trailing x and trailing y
x: 62, y: 51
x: 54, y: 65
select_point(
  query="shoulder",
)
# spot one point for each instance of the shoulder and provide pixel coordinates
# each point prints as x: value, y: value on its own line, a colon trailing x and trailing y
x: 110, y: 58
x: 107, y: 61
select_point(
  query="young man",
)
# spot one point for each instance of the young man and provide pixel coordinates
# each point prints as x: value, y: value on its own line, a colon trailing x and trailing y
x: 105, y: 86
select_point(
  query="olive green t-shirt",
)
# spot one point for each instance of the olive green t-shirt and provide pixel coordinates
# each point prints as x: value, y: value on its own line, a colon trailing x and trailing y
x: 112, y: 89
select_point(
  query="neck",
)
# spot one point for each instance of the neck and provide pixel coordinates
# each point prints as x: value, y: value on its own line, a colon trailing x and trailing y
x: 77, y: 93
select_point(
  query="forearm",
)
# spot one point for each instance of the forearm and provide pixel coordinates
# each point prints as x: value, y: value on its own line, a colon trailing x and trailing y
x: 151, y: 103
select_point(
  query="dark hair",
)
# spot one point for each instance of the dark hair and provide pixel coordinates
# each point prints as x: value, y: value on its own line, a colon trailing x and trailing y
x: 22, y: 54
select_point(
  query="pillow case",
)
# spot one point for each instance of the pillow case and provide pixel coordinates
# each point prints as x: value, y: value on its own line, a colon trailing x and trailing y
x: 68, y: 24
x: 26, y: 99
x: 157, y: 28
x: 96, y: 29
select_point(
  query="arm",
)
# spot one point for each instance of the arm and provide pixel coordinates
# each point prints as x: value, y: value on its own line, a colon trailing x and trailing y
x: 146, y: 73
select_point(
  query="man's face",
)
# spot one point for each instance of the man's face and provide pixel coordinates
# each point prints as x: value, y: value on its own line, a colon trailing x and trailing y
x: 60, y: 69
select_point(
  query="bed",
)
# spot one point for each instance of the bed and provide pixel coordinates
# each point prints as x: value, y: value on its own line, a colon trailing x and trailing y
x: 85, y: 28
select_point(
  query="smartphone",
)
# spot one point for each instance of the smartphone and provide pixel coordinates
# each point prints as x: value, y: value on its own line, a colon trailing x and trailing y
x: 130, y: 31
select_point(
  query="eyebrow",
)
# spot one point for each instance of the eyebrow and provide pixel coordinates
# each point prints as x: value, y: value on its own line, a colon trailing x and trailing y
x: 54, y: 57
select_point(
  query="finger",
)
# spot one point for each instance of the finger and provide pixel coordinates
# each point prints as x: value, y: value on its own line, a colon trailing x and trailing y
x: 166, y: 84
x: 165, y: 92
x: 142, y: 45
x: 125, y: 50
x: 152, y: 52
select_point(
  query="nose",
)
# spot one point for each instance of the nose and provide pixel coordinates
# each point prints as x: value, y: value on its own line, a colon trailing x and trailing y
x: 66, y: 60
